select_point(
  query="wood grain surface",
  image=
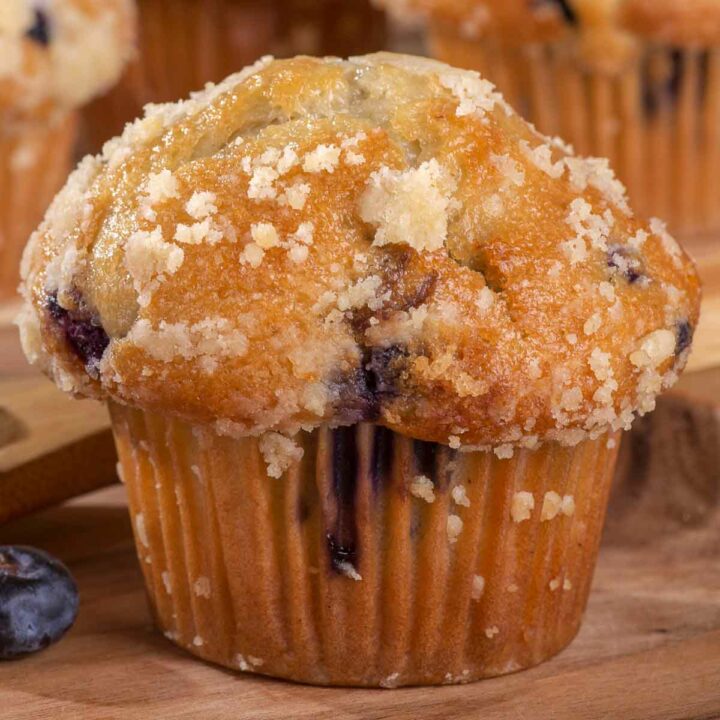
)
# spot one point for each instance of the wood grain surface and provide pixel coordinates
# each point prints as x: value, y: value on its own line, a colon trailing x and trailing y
x: 51, y: 447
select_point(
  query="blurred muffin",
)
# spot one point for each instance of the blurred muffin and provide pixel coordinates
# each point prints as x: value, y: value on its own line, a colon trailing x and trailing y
x: 637, y: 81
x: 367, y: 340
x: 187, y: 43
x: 54, y: 56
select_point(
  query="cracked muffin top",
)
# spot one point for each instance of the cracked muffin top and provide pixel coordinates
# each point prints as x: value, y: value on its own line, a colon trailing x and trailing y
x: 379, y: 239
x: 681, y: 22
x: 57, y: 54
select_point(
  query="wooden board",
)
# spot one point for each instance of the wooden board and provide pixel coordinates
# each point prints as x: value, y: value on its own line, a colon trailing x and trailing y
x: 649, y: 647
x: 51, y: 447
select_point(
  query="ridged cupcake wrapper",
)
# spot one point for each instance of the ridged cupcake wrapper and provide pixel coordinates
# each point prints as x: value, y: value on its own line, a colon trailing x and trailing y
x: 337, y: 573
x: 34, y: 164
x: 186, y: 43
x: 658, y: 120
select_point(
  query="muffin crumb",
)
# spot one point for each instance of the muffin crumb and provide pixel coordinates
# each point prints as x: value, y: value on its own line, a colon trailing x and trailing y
x: 141, y: 530
x: 454, y: 528
x: 391, y: 681
x: 279, y: 452
x: 478, y: 587
x: 491, y: 632
x: 459, y: 496
x: 201, y: 587
x: 422, y: 487
x: 522, y: 506
x: 552, y: 503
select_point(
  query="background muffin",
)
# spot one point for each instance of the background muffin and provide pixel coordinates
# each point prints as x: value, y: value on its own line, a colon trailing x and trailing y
x: 54, y: 56
x: 636, y: 81
x: 373, y: 280
x: 187, y: 43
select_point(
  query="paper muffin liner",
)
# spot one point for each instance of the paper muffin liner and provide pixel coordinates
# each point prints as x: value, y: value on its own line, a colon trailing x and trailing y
x: 186, y: 43
x: 657, y: 119
x: 375, y: 560
x: 34, y: 164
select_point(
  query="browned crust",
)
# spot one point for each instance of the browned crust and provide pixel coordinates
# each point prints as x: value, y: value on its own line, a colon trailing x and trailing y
x: 518, y: 326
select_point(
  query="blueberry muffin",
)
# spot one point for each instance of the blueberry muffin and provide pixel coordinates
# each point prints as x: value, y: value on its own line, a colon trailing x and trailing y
x: 54, y: 56
x: 368, y: 341
x: 637, y: 81
x: 187, y: 43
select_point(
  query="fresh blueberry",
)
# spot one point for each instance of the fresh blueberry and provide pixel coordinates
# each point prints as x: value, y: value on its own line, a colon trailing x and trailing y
x: 82, y: 331
x: 40, y: 30
x: 38, y: 601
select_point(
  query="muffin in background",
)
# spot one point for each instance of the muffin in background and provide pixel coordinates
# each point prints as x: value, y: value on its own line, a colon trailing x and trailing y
x: 636, y: 81
x: 54, y: 56
x: 368, y: 340
x: 187, y: 43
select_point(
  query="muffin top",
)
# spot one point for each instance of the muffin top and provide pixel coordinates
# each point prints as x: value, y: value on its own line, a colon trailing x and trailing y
x: 679, y: 22
x: 57, y: 54
x: 379, y: 239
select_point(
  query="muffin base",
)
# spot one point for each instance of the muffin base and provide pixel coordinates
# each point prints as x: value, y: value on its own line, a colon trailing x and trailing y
x: 656, y: 116
x: 336, y: 574
x: 34, y: 165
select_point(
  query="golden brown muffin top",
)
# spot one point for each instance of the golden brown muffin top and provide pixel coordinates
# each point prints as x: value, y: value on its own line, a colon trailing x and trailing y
x: 379, y: 239
x: 57, y: 54
x: 677, y: 22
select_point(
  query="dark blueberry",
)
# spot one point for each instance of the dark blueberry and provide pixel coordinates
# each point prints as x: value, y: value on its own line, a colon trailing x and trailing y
x: 82, y: 331
x: 383, y: 369
x: 40, y: 30
x: 684, y: 335
x: 342, y: 538
x: 622, y: 260
x: 382, y: 455
x: 38, y: 601
x: 361, y: 397
x: 562, y: 5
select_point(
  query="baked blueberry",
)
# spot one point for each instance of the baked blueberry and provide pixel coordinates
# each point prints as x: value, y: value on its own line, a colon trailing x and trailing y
x: 82, y: 331
x: 38, y: 601
x: 40, y: 29
x: 684, y: 335
x: 621, y: 260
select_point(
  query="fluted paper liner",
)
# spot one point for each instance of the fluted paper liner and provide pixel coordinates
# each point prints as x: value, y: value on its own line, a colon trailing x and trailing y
x: 34, y: 164
x: 336, y: 573
x: 657, y: 119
